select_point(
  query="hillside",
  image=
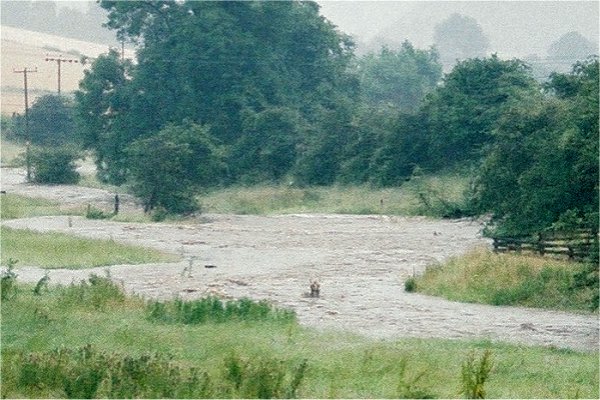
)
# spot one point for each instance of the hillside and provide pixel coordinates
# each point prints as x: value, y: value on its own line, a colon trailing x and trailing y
x: 21, y: 48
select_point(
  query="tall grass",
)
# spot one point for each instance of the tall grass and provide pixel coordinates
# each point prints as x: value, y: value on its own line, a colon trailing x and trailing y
x: 508, y: 279
x: 58, y: 250
x: 213, y: 310
x: 47, y: 342
x: 14, y: 206
x: 438, y: 196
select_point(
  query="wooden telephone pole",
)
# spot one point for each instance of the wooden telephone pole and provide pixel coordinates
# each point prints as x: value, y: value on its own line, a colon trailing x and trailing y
x: 25, y: 71
x: 59, y: 60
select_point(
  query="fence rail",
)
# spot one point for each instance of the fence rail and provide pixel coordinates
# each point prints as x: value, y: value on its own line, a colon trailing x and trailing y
x: 576, y: 245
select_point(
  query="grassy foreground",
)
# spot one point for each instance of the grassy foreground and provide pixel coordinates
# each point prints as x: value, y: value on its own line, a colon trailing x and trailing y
x: 58, y: 250
x: 90, y: 340
x: 508, y: 279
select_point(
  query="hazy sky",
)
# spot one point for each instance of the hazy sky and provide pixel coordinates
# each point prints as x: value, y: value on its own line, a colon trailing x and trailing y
x: 515, y: 28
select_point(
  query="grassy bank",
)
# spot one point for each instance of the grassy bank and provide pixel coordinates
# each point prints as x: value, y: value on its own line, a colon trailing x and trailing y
x: 58, y: 250
x: 437, y: 196
x: 15, y: 206
x: 100, y: 330
x: 508, y: 279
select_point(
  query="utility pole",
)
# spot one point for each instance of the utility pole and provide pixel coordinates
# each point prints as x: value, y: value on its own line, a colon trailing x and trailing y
x: 25, y: 71
x: 59, y: 60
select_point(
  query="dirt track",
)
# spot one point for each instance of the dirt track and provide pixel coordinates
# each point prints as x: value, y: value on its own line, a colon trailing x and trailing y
x: 360, y: 261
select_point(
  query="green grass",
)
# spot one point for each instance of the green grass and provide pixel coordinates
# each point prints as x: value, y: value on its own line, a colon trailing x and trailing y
x: 15, y: 206
x: 58, y: 250
x: 508, y: 279
x: 428, y: 195
x: 338, y: 365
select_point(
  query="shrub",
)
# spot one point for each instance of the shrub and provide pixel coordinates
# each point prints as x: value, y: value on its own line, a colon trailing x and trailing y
x: 410, y: 285
x: 96, y: 293
x: 54, y: 165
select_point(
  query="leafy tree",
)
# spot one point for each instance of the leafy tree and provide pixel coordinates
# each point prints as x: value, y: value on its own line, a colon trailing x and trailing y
x: 102, y: 110
x: 399, y: 79
x: 51, y: 122
x: 167, y: 169
x: 463, y: 112
x: 543, y: 166
x: 55, y: 165
x: 459, y: 37
x: 263, y: 75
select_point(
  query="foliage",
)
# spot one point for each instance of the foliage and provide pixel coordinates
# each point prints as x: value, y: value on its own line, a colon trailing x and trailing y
x: 398, y: 78
x: 338, y: 364
x: 543, y: 163
x: 15, y: 206
x: 9, y: 281
x: 515, y: 280
x: 51, y: 122
x: 474, y: 375
x: 58, y: 250
x: 54, y: 165
x: 167, y: 168
x: 213, y: 310
x: 96, y: 293
x: 260, y: 74
x: 462, y: 114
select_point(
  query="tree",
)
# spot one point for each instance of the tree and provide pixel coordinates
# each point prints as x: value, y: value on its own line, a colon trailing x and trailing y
x: 543, y: 166
x: 257, y: 72
x: 399, y: 78
x: 459, y: 37
x: 167, y: 169
x: 102, y: 110
x: 463, y: 112
x: 51, y: 122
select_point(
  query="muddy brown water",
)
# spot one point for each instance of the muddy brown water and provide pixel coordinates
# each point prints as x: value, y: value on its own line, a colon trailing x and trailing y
x: 361, y: 263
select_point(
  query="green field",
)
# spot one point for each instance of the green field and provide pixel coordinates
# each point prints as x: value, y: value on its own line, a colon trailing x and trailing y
x: 256, y: 357
x: 58, y: 250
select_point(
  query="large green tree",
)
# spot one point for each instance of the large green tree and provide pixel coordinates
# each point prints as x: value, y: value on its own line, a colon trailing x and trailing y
x: 463, y: 112
x: 262, y: 75
x: 543, y: 166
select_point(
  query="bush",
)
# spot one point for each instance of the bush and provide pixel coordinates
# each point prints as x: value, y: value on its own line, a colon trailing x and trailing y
x: 474, y: 375
x: 54, y: 165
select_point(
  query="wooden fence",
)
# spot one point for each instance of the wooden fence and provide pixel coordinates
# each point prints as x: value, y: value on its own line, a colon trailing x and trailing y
x: 576, y: 245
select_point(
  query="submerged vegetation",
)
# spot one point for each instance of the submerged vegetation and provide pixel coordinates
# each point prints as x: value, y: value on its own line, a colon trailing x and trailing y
x: 102, y: 351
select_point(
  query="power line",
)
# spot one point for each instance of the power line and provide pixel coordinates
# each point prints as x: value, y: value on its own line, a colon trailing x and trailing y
x: 59, y: 60
x: 25, y: 71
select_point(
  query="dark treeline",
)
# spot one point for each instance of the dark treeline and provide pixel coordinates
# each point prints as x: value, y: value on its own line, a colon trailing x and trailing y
x: 227, y: 93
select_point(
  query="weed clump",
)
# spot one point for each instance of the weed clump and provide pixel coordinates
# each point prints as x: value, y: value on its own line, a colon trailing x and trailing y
x: 474, y: 375
x: 97, y: 292
x: 214, y: 310
x: 8, y: 289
